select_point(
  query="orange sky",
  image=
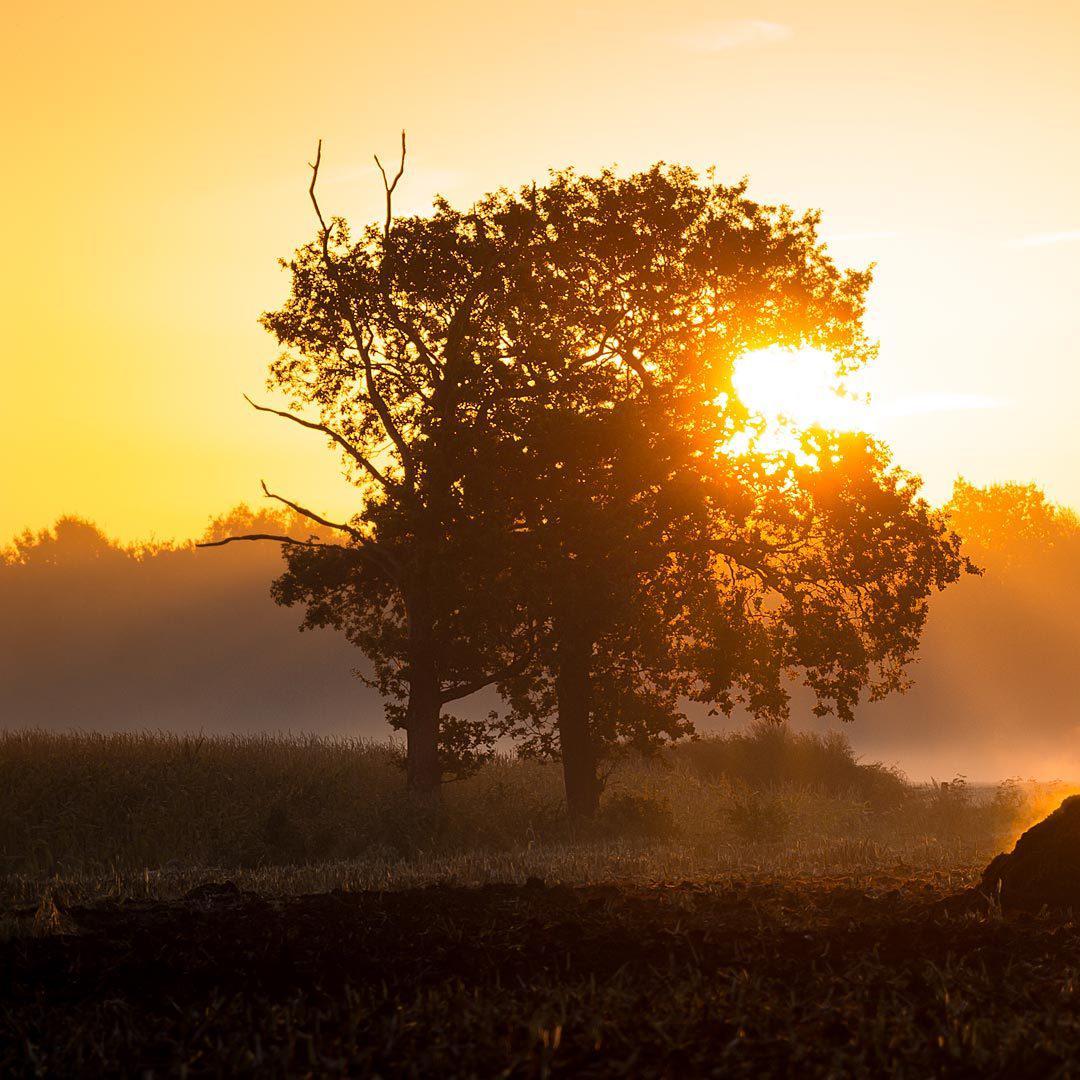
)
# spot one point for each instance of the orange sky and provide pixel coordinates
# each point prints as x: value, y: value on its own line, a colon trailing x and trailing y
x: 155, y: 169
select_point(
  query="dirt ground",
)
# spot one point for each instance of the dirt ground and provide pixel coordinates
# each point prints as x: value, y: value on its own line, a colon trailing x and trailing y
x: 872, y: 976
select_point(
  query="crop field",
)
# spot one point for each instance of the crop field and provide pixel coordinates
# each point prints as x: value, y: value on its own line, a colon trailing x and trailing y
x: 720, y: 923
x: 858, y: 974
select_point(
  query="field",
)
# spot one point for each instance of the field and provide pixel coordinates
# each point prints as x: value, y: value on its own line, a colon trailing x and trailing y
x: 741, y: 908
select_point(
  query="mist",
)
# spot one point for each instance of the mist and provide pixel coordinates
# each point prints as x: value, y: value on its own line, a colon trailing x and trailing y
x: 97, y: 636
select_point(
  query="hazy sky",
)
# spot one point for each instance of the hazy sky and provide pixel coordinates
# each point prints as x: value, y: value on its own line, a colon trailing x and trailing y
x: 155, y: 169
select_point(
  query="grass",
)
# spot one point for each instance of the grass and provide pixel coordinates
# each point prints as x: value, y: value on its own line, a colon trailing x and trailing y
x: 76, y: 805
x: 753, y: 905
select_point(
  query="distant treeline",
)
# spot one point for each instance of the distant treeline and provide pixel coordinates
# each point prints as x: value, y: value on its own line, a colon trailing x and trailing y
x: 102, y: 636
x: 996, y: 692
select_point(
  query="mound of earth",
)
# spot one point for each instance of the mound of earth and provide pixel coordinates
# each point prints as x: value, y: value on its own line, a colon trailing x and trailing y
x: 1043, y: 869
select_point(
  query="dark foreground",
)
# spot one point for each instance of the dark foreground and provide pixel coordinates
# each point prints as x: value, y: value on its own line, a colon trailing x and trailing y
x: 868, y: 977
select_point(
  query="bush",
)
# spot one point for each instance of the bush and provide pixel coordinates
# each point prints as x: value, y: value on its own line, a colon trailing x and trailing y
x: 768, y: 756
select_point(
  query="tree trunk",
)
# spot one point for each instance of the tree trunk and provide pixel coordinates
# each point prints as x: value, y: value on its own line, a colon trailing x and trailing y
x: 422, y: 712
x: 423, y: 768
x: 572, y: 688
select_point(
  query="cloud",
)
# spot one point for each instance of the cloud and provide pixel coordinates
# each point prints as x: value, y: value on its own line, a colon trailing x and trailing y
x: 921, y: 404
x: 1065, y: 236
x: 864, y: 234
x: 733, y: 34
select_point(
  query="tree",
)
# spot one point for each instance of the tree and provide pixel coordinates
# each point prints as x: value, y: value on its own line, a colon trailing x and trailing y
x: 672, y: 556
x: 559, y: 491
x: 72, y: 541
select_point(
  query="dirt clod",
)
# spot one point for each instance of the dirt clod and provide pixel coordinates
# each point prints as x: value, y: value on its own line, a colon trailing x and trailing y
x: 1043, y: 869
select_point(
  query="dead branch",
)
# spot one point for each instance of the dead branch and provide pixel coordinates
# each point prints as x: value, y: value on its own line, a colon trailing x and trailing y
x: 345, y: 310
x: 365, y: 547
x: 389, y: 186
x: 272, y: 537
x: 388, y: 485
x: 312, y: 516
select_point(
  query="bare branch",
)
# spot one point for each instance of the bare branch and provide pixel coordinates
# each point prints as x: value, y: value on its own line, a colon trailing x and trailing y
x: 312, y: 196
x: 275, y: 539
x: 345, y: 311
x: 387, y: 485
x: 366, y: 548
x: 390, y: 185
x: 312, y: 516
x: 366, y: 552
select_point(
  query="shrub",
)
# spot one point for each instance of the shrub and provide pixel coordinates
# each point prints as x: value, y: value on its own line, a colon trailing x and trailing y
x: 769, y: 755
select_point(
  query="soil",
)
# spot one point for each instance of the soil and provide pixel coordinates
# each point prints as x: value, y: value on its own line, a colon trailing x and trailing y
x: 741, y: 978
x: 1043, y: 869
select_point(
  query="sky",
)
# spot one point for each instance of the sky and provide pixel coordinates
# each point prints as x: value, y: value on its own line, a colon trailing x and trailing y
x: 156, y: 169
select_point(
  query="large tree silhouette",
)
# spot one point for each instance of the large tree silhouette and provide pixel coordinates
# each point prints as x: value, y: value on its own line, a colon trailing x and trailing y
x: 558, y: 490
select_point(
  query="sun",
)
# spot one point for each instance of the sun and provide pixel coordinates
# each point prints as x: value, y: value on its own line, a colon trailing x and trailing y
x: 796, y: 387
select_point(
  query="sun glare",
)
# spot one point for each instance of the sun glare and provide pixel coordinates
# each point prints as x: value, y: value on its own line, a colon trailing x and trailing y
x: 796, y: 387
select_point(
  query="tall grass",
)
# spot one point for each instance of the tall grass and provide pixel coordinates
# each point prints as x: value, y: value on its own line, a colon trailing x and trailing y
x: 76, y: 804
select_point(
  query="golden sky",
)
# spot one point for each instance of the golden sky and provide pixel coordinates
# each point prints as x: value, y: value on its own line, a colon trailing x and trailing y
x: 155, y: 169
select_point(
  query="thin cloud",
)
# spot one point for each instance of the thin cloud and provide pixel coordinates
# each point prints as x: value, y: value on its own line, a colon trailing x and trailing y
x: 734, y: 34
x: 864, y: 234
x: 921, y: 404
x: 1064, y: 236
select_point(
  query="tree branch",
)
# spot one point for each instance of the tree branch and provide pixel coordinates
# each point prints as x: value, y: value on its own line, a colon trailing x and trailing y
x: 388, y: 485
x: 312, y: 516
x: 345, y: 311
x: 507, y: 671
x: 275, y: 539
x: 368, y: 549
x: 389, y: 186
x: 367, y: 552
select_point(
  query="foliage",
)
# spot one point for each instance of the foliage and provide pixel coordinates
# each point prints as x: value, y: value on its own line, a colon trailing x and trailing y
x: 760, y: 818
x: 70, y: 542
x: 636, y: 816
x: 1009, y: 520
